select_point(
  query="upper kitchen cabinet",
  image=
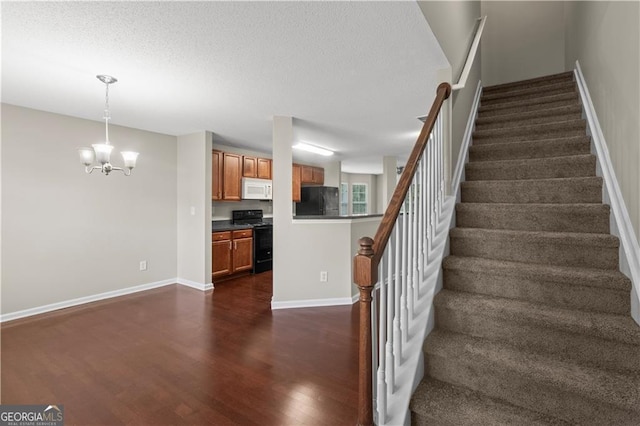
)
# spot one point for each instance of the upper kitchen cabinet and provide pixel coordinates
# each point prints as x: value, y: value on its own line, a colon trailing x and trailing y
x: 232, y: 175
x: 256, y: 167
x: 264, y: 168
x: 216, y: 182
x: 312, y: 175
x: 296, y: 183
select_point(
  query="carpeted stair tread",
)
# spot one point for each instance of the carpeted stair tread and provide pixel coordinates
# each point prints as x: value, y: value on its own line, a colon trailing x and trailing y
x: 586, y: 289
x: 532, y: 82
x: 527, y: 92
x: 586, y: 218
x: 574, y: 393
x: 575, y: 145
x: 554, y: 248
x: 566, y: 275
x: 441, y: 403
x: 534, y: 168
x: 526, y: 105
x: 528, y: 116
x: 567, y: 190
x: 611, y: 327
x: 535, y: 132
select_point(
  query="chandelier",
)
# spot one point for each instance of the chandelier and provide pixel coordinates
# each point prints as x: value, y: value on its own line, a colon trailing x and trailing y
x: 101, y: 152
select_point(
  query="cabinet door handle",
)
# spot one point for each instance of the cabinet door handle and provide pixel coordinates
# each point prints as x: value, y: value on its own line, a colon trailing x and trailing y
x: 229, y: 245
x: 235, y: 245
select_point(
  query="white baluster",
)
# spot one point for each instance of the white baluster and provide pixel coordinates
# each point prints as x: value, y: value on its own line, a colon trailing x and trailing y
x: 397, y: 331
x: 374, y: 353
x: 404, y: 313
x: 381, y: 384
x: 441, y: 159
x: 414, y: 244
x: 420, y: 254
x: 411, y: 233
x: 390, y: 361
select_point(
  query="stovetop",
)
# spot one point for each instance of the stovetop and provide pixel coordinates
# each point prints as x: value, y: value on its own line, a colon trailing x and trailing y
x: 248, y: 217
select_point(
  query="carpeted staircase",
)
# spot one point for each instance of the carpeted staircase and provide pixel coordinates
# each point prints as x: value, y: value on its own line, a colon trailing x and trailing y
x: 533, y: 324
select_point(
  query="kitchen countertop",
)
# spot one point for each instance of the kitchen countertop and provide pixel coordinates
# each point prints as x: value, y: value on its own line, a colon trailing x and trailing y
x: 317, y: 217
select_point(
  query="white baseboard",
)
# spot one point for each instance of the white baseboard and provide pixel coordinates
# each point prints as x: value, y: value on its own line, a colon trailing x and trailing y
x: 193, y: 284
x: 82, y: 300
x: 311, y: 303
x: 620, y: 221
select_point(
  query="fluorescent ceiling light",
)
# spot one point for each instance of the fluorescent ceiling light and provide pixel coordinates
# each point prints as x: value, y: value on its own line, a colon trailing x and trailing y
x: 311, y: 148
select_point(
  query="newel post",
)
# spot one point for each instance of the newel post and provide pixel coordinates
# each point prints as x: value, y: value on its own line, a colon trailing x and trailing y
x: 365, y: 275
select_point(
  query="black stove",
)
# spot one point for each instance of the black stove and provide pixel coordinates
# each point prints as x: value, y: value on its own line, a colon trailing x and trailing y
x: 262, y: 237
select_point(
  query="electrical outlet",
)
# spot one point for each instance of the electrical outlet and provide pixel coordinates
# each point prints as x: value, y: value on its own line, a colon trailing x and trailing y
x: 143, y: 265
x: 323, y: 276
x: 193, y: 211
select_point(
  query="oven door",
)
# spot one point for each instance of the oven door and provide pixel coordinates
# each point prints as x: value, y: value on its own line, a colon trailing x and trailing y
x: 262, y: 248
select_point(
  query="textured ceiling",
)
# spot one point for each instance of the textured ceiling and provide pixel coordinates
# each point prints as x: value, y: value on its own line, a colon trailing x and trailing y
x: 354, y: 75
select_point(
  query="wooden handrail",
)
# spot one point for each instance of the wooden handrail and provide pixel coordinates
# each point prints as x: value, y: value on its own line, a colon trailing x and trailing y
x: 365, y: 263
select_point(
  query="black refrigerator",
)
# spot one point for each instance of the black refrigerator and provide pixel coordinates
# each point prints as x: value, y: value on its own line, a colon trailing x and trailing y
x: 318, y: 201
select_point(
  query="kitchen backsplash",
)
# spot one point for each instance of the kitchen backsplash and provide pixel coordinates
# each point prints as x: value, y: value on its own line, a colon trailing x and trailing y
x: 221, y: 210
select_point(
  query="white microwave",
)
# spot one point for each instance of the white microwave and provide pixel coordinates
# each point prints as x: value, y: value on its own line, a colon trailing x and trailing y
x: 257, y: 189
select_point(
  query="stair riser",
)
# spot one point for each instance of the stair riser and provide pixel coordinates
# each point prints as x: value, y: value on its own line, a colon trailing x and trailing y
x: 504, y: 124
x: 487, y: 100
x: 563, y: 167
x: 546, y: 252
x: 547, y: 113
x: 576, y: 348
x: 498, y: 382
x: 526, y: 150
x: 549, y: 220
x: 531, y: 136
x: 557, y: 294
x: 532, y: 192
x: 528, y: 106
x: 535, y: 82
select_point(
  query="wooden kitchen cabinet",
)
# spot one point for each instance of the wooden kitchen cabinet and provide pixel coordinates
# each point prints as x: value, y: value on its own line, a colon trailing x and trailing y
x: 216, y: 181
x: 249, y: 167
x: 264, y: 168
x: 232, y: 177
x: 231, y: 252
x: 221, y: 254
x: 242, y: 257
x: 254, y: 167
x: 312, y: 175
x: 296, y: 183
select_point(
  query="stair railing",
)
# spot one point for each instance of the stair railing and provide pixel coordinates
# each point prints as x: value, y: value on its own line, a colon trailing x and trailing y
x: 396, y: 260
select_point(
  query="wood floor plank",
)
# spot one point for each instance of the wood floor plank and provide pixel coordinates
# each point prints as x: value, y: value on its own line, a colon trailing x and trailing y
x: 177, y: 356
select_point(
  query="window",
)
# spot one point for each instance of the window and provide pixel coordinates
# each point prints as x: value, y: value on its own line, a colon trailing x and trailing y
x: 344, y: 199
x: 359, y: 198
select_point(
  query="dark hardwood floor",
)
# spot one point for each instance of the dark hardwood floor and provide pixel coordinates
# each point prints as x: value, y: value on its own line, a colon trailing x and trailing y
x: 177, y: 356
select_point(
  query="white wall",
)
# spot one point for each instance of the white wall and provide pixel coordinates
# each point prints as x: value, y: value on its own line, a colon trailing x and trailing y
x: 194, y: 208
x: 302, y: 250
x: 66, y: 234
x: 522, y: 39
x: 454, y: 24
x: 604, y: 37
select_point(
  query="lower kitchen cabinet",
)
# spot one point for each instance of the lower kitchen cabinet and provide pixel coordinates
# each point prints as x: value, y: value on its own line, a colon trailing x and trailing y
x: 231, y: 252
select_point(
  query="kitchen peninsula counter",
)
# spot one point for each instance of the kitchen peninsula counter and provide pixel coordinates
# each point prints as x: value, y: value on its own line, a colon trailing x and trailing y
x: 331, y: 218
